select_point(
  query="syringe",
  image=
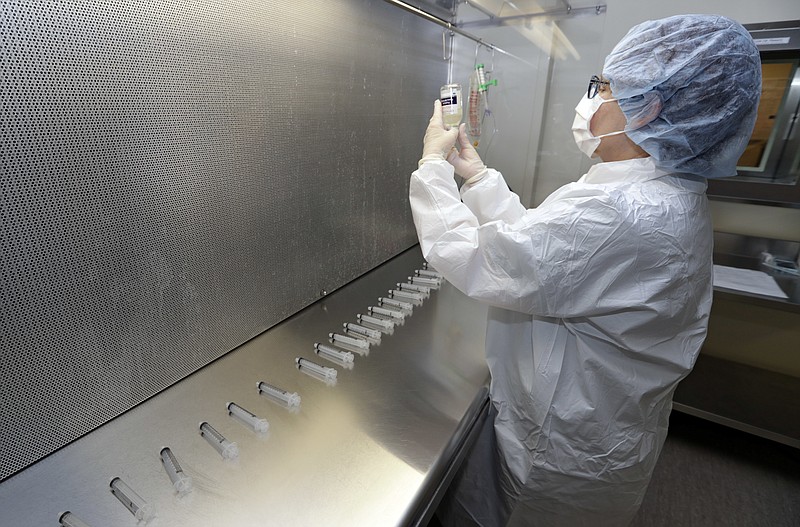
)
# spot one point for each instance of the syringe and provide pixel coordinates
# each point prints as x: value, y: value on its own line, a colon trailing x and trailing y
x: 386, y: 326
x: 407, y: 296
x: 68, y: 519
x: 357, y: 330
x: 425, y: 273
x: 428, y: 267
x: 338, y: 356
x: 350, y: 341
x: 226, y: 449
x: 140, y: 509
x: 282, y: 397
x: 396, y: 316
x: 180, y: 480
x: 258, y: 424
x: 323, y: 373
x: 416, y: 288
x: 433, y: 283
x: 405, y: 307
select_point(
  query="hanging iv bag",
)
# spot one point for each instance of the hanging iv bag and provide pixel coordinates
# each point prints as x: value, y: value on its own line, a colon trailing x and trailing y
x: 477, y: 104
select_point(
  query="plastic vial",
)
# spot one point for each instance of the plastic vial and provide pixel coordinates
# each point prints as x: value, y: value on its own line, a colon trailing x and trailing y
x: 407, y: 296
x: 141, y: 510
x: 322, y: 372
x: 415, y: 288
x: 361, y: 330
x: 226, y: 449
x: 397, y: 316
x: 68, y: 519
x: 433, y: 283
x: 385, y: 325
x: 282, y: 397
x: 450, y: 96
x: 258, y: 424
x: 180, y: 480
x: 350, y: 341
x: 405, y: 307
x: 332, y: 353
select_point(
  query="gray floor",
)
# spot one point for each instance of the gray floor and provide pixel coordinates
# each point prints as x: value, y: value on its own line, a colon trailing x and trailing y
x: 709, y: 475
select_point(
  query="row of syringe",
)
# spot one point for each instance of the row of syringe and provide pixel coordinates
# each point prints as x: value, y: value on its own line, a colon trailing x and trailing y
x: 382, y: 319
x: 182, y: 482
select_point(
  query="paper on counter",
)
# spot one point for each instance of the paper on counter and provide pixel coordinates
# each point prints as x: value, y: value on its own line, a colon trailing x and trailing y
x: 747, y: 280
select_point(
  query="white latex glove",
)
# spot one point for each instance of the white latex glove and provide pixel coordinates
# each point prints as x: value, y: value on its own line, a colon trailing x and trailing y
x: 467, y: 162
x: 438, y: 141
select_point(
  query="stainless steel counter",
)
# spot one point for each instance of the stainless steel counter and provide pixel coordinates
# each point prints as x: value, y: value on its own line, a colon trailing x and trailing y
x: 371, y: 450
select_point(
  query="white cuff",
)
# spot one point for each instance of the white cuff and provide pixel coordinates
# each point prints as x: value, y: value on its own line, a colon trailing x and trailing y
x: 430, y: 157
x: 477, y: 177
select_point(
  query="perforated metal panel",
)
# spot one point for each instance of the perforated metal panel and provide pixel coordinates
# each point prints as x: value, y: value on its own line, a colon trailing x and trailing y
x: 178, y: 177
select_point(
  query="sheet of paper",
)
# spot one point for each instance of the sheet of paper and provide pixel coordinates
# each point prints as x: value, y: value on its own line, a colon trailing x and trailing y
x: 747, y: 280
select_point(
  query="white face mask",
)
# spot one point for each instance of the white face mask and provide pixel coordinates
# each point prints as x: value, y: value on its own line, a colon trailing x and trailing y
x: 586, y: 108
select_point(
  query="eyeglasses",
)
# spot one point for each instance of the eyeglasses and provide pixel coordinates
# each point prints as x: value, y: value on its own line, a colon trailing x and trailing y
x: 594, y: 86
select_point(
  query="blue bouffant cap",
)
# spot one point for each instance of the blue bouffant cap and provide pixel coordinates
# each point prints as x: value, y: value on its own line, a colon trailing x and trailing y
x: 689, y: 87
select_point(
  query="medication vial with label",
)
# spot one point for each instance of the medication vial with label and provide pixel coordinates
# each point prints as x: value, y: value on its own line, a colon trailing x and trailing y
x: 450, y: 96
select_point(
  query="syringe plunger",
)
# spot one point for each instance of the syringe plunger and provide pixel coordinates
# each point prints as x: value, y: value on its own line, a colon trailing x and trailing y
x: 392, y: 302
x: 350, y: 341
x: 282, y: 397
x: 226, y: 449
x: 68, y: 519
x: 433, y: 283
x: 391, y: 313
x: 327, y: 374
x: 140, y: 509
x: 258, y: 424
x: 407, y: 296
x: 386, y: 325
x: 425, y: 273
x: 332, y: 353
x: 361, y: 330
x: 180, y: 480
x: 407, y: 286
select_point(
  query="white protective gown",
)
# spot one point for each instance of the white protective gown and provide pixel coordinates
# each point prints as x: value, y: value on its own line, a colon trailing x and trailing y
x: 602, y: 296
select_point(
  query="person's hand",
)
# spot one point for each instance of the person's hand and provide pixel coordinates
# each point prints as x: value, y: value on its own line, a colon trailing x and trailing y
x: 467, y: 162
x: 438, y: 141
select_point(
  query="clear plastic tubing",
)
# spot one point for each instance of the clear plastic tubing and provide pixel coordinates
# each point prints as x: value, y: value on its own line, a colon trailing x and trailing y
x: 326, y: 373
x: 425, y: 290
x: 388, y: 325
x: 140, y: 509
x: 332, y: 353
x: 396, y: 315
x: 180, y: 480
x: 361, y: 330
x: 68, y: 519
x: 393, y: 302
x: 427, y: 282
x: 226, y: 449
x: 350, y: 341
x: 425, y: 273
x: 287, y: 399
x: 258, y: 424
x: 407, y: 296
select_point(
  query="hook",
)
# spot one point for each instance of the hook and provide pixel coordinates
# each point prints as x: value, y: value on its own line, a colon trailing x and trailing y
x: 445, y: 55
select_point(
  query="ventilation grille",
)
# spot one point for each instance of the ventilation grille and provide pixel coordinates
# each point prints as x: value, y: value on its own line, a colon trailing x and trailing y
x: 178, y: 178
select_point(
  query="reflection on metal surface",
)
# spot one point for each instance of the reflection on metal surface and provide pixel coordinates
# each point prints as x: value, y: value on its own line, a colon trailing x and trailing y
x: 369, y: 451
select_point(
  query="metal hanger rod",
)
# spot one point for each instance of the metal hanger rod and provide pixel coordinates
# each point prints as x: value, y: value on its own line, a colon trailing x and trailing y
x: 452, y: 27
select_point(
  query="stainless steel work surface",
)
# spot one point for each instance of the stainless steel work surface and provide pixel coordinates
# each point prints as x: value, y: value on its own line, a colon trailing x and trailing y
x: 360, y: 452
